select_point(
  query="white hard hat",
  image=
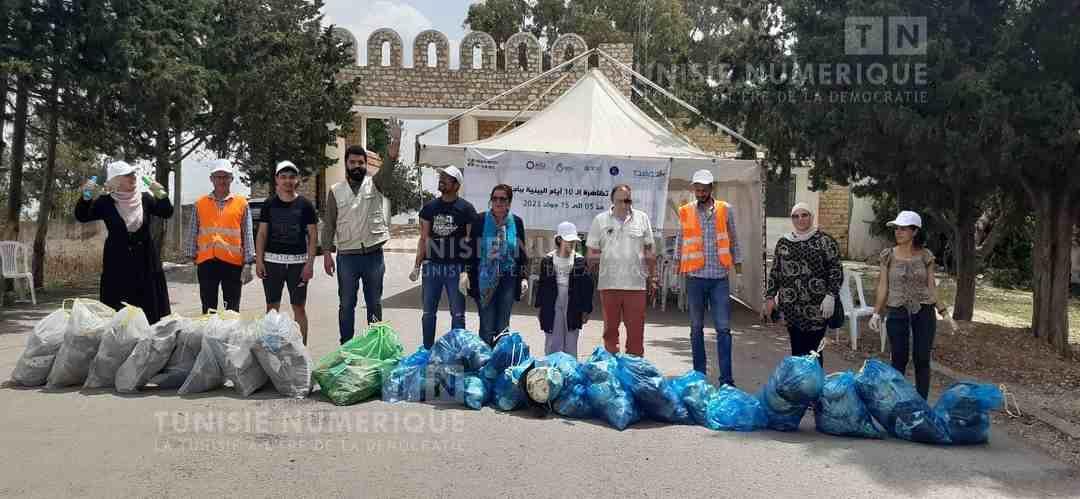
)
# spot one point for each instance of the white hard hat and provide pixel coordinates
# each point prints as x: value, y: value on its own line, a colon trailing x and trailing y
x: 119, y: 169
x: 452, y: 171
x: 567, y: 231
x: 906, y: 219
x: 703, y: 177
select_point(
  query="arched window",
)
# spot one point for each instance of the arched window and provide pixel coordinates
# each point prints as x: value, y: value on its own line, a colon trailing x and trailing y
x: 385, y: 54
x: 477, y: 57
x: 432, y: 55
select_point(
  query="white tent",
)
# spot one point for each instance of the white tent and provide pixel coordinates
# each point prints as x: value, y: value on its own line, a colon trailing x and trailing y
x: 594, y: 118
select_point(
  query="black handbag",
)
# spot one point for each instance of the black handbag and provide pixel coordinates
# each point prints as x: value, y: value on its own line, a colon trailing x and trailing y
x: 837, y: 319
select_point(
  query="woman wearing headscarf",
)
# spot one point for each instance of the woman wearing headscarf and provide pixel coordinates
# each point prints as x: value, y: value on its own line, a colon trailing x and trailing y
x: 131, y: 267
x: 907, y: 298
x: 497, y: 275
x: 804, y: 281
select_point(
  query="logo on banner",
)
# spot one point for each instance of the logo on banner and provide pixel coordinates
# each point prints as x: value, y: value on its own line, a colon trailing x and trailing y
x: 649, y: 173
x: 614, y: 171
x: 536, y: 165
x: 563, y: 168
x: 592, y: 168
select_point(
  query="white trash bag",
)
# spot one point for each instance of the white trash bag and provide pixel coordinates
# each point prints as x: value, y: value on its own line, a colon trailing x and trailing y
x: 149, y: 356
x: 128, y: 326
x: 281, y: 352
x: 207, y: 372
x: 240, y: 366
x: 33, y: 366
x: 87, y: 322
x: 182, y: 360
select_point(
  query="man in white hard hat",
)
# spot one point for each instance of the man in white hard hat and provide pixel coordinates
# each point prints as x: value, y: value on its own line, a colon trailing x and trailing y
x: 708, y: 254
x: 221, y: 240
x: 443, y: 251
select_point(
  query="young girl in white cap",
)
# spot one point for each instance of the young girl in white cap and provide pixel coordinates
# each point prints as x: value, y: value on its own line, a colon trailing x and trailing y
x: 564, y: 293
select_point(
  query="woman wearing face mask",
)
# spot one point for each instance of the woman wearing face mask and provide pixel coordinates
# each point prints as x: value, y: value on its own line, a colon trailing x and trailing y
x: 564, y: 293
x: 804, y: 281
x: 131, y: 267
x: 907, y: 298
x: 497, y: 274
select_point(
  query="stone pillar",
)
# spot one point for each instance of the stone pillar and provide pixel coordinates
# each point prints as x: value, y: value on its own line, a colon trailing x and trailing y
x: 468, y: 131
x: 834, y: 213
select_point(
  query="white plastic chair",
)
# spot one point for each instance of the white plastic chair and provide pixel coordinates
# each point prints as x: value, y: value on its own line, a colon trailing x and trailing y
x: 15, y: 257
x: 854, y: 312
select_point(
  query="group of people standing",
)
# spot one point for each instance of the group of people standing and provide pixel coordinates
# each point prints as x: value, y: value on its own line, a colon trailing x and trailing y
x: 484, y: 256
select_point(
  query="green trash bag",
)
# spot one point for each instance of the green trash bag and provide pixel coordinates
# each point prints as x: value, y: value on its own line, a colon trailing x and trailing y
x: 355, y: 371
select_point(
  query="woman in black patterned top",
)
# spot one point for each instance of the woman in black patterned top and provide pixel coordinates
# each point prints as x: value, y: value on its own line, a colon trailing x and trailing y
x: 804, y: 281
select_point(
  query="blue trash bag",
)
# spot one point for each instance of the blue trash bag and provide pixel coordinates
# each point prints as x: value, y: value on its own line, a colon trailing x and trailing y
x: 509, y: 395
x: 799, y: 379
x: 566, y: 364
x: 841, y: 412
x: 461, y: 347
x: 658, y: 398
x: 406, y: 382
x: 573, y: 402
x: 511, y: 350
x: 731, y: 409
x: 607, y: 397
x: 916, y: 422
x: 965, y: 409
x: 696, y: 397
x: 881, y: 388
x: 477, y: 391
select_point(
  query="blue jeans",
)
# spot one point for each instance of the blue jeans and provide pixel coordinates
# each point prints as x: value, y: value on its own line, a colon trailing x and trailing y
x: 437, y: 276
x: 714, y: 294
x: 352, y: 271
x: 495, y: 316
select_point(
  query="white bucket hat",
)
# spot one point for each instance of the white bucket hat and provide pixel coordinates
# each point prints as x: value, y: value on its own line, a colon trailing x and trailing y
x: 704, y: 177
x: 906, y: 219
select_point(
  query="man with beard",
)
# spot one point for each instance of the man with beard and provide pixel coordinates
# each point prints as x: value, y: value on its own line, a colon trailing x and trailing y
x: 708, y: 252
x: 443, y: 252
x: 356, y: 227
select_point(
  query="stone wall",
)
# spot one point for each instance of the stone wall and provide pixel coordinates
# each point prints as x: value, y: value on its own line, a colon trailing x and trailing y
x: 433, y: 84
x: 834, y: 211
x: 709, y: 140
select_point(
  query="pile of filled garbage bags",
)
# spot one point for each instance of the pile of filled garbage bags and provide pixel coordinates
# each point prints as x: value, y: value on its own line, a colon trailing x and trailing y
x: 91, y: 345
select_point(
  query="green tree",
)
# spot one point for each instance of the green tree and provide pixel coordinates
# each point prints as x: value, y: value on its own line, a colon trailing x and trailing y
x: 281, y: 93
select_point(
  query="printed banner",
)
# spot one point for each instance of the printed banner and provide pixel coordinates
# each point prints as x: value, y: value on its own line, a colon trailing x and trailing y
x: 553, y: 188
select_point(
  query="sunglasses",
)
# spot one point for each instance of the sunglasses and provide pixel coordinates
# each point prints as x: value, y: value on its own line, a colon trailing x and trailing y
x: 625, y: 201
x: 800, y: 215
x: 500, y: 199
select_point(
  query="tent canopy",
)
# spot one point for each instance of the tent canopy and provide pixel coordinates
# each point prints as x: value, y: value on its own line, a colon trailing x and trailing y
x: 594, y: 118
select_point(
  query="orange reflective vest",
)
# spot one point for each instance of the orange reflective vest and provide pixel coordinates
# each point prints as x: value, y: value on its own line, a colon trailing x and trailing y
x: 693, y: 251
x: 220, y: 230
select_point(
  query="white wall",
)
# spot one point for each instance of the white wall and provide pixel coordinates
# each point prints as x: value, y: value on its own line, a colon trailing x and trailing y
x: 776, y: 227
x: 861, y: 244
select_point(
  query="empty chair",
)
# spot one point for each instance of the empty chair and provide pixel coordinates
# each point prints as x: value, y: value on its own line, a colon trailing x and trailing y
x: 16, y: 264
x: 854, y: 311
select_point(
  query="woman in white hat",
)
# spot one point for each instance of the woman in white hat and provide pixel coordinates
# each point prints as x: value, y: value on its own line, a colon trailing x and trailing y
x: 907, y: 298
x: 804, y: 281
x: 564, y: 293
x: 131, y: 267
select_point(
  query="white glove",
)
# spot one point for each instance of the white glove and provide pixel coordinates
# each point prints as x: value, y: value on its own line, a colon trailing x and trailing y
x: 828, y: 305
x: 736, y: 284
x: 463, y: 283
x: 875, y: 323
x: 524, y: 287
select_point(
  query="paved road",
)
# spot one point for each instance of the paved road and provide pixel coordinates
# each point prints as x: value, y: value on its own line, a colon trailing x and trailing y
x: 159, y: 444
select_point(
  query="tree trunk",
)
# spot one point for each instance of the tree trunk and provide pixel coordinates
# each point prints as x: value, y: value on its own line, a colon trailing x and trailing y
x: 178, y: 187
x: 48, y: 183
x: 1050, y: 319
x: 19, y: 122
x: 162, y: 167
x: 966, y: 260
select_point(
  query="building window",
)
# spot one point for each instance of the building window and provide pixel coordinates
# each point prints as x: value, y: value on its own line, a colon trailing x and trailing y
x: 779, y: 197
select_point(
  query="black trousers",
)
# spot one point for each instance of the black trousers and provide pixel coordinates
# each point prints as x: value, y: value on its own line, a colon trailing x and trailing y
x: 215, y: 273
x: 804, y: 341
x: 916, y: 330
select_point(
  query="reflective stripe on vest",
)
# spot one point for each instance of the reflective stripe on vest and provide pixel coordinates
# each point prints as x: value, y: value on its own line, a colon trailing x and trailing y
x: 220, y: 231
x: 693, y: 252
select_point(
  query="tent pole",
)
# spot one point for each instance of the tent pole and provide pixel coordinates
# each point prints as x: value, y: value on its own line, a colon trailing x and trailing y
x: 531, y: 104
x: 682, y: 103
x: 512, y: 90
x: 662, y: 115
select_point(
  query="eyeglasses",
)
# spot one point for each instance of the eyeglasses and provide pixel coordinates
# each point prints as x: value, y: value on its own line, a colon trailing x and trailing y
x: 800, y: 215
x: 500, y: 199
x: 220, y: 177
x: 625, y: 201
